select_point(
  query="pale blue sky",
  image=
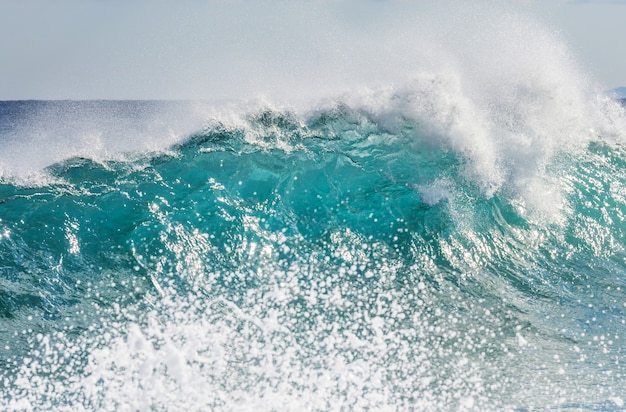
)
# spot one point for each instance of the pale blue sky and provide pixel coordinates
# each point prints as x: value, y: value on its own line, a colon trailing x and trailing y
x: 216, y: 49
x: 596, y: 32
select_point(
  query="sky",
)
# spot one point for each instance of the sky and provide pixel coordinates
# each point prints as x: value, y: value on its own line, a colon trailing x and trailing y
x: 595, y: 30
x: 224, y: 49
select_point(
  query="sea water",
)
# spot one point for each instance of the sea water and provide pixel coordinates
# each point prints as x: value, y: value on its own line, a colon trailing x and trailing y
x: 454, y: 241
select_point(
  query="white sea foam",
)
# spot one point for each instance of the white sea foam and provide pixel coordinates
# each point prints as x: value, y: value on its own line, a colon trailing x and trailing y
x: 488, y: 83
x: 482, y: 80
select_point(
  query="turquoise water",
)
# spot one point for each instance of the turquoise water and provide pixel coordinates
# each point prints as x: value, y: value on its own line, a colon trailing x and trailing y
x: 350, y: 258
x: 425, y: 212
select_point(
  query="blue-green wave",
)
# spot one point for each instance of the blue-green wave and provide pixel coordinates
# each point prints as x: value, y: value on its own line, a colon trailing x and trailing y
x: 329, y: 263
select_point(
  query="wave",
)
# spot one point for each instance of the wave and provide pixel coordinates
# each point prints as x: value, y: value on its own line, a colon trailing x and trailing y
x: 341, y: 261
x: 483, y: 77
x: 450, y: 239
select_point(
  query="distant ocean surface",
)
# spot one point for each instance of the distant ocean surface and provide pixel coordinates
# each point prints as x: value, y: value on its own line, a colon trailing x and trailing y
x: 453, y: 242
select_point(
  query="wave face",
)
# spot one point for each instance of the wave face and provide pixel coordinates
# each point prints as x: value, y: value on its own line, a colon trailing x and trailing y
x: 450, y: 238
x: 351, y: 259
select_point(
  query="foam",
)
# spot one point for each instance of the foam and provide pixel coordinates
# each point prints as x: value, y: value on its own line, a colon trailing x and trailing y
x: 506, y: 94
x: 485, y: 81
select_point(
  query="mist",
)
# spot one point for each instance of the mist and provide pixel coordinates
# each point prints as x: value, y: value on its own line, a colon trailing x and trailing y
x: 218, y: 50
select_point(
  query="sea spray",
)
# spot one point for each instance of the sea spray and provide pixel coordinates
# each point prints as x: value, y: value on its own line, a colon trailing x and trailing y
x: 451, y: 241
x: 302, y: 264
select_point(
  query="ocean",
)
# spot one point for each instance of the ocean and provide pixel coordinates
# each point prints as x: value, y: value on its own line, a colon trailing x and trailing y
x: 454, y: 241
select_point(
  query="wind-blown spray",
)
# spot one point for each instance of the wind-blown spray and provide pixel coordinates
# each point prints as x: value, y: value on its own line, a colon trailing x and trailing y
x: 450, y: 239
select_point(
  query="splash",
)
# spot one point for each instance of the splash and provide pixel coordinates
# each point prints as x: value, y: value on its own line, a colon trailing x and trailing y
x: 450, y: 237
